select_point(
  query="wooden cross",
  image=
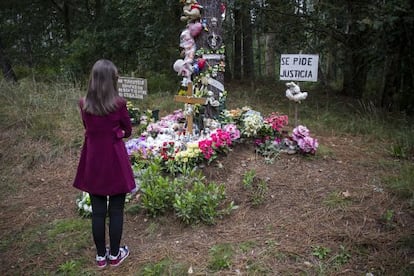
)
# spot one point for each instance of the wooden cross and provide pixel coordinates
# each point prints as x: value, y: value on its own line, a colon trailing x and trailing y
x: 189, y: 99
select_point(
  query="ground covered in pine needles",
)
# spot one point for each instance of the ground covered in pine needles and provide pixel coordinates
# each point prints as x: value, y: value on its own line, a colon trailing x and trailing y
x: 328, y: 214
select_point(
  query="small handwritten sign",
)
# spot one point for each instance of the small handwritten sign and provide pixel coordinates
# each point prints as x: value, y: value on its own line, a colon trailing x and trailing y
x: 299, y: 67
x: 134, y: 88
x: 216, y: 84
x: 213, y: 57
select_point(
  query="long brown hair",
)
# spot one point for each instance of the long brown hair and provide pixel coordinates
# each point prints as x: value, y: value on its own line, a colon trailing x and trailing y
x: 102, y: 97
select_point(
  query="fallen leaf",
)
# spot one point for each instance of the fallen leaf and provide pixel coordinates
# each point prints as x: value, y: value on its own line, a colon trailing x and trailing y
x: 346, y: 194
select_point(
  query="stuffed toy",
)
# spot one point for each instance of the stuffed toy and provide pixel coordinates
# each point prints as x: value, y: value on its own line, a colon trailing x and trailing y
x: 188, y: 45
x: 199, y: 65
x: 195, y: 29
x: 186, y: 69
x: 185, y: 66
x: 293, y: 92
x: 191, y: 11
x: 182, y: 68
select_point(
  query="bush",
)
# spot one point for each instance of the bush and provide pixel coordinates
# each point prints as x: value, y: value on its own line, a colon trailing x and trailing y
x: 192, y: 200
x: 200, y: 203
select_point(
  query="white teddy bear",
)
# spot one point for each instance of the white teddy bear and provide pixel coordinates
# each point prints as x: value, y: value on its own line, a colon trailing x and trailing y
x: 293, y: 92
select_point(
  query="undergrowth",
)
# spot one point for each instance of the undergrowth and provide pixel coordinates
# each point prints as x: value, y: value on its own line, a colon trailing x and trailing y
x: 188, y: 195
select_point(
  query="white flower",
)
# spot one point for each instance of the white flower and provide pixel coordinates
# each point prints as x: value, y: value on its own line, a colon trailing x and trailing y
x: 253, y: 122
x: 215, y: 103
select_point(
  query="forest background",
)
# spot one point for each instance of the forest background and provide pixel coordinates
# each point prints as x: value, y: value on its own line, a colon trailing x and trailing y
x: 348, y: 210
x: 364, y: 47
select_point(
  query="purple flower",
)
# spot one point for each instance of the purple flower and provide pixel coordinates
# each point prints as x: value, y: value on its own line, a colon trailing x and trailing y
x: 300, y: 132
x: 136, y: 145
x: 175, y: 116
x: 258, y: 142
x: 277, y: 141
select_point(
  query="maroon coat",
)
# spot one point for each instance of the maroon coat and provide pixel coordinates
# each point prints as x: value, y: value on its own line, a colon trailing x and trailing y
x: 104, y: 167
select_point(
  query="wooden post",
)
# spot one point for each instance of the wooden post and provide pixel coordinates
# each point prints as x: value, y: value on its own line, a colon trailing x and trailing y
x: 189, y: 99
x: 296, y: 114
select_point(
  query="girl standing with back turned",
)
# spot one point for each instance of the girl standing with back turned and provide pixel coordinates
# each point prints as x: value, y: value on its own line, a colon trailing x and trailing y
x: 104, y: 170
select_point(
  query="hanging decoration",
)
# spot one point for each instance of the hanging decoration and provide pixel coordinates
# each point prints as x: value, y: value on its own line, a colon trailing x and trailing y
x: 202, y: 56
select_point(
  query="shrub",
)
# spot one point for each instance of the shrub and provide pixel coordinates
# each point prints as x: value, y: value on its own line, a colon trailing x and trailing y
x: 199, y: 203
x: 192, y: 200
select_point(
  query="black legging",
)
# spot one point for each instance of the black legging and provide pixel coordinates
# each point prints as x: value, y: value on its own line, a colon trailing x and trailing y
x: 115, y: 209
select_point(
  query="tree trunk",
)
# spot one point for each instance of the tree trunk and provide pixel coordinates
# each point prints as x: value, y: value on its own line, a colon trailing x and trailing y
x: 247, y: 33
x: 237, y: 61
x: 64, y: 9
x: 98, y: 9
x: 259, y: 55
x: 66, y: 21
x: 212, y: 41
x: 270, y: 60
x: 6, y: 67
x: 390, y: 87
x: 355, y: 74
x: 398, y: 83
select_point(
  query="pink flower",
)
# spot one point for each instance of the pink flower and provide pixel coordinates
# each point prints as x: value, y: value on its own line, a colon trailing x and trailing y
x: 206, y: 148
x: 308, y: 144
x: 220, y: 139
x: 277, y: 121
x: 233, y: 131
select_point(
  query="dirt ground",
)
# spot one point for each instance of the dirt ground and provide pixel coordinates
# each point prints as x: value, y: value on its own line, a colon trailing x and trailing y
x: 282, y: 232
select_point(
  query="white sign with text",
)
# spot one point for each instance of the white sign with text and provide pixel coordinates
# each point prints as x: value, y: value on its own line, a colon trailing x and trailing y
x: 299, y: 67
x: 133, y: 88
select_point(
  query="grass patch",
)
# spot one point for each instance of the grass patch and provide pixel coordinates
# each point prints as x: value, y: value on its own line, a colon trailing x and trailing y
x: 336, y: 200
x: 220, y: 256
x: 43, y: 112
x: 164, y: 267
x: 152, y: 229
x: 73, y: 268
x: 55, y: 245
x: 402, y: 146
x: 320, y: 252
x: 406, y: 242
x: 256, y: 187
x: 133, y: 209
x: 247, y: 246
x: 327, y: 261
x: 255, y: 267
x: 324, y: 152
x: 403, y: 184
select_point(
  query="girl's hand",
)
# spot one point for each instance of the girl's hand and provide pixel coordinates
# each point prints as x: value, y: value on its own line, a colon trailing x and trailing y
x: 119, y: 133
